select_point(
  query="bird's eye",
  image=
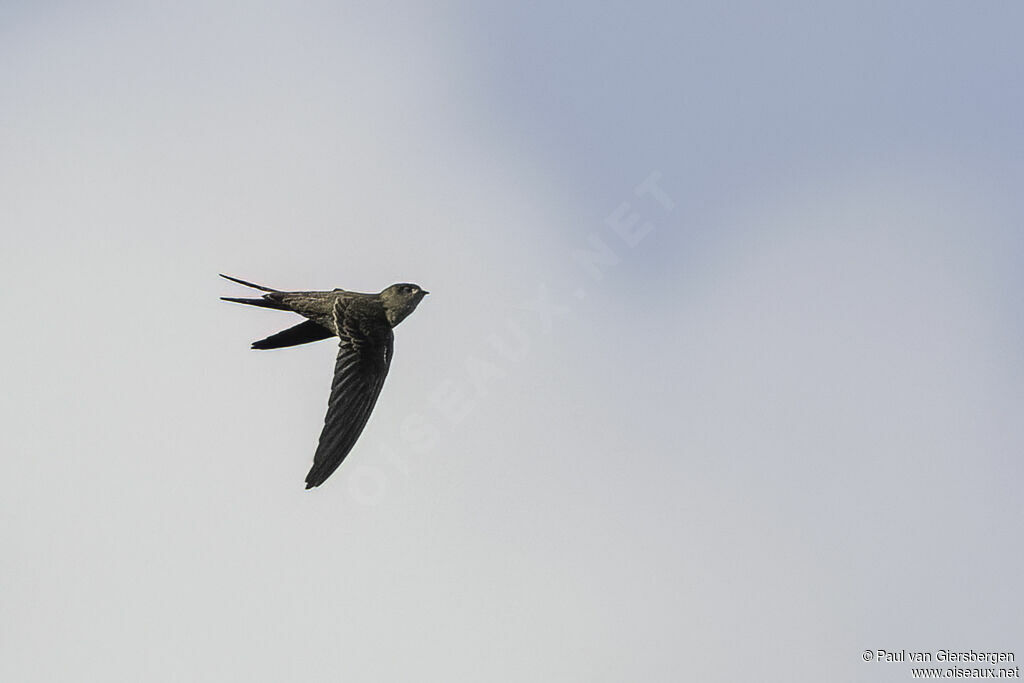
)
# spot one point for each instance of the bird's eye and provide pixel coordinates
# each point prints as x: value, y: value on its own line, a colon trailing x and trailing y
x: 406, y: 289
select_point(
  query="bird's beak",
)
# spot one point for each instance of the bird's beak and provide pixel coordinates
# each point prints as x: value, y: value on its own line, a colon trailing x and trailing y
x: 425, y: 292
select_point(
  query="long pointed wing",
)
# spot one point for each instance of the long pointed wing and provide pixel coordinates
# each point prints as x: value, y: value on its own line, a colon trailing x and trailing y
x: 364, y: 356
x: 303, y: 333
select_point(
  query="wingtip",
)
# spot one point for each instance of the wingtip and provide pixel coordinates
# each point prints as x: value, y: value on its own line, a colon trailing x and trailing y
x: 313, y: 479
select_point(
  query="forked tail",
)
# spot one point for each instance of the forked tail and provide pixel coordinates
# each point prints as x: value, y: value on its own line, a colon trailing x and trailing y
x: 248, y: 284
x: 266, y: 301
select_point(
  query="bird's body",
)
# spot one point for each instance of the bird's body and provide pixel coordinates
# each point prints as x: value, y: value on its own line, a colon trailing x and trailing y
x: 363, y: 324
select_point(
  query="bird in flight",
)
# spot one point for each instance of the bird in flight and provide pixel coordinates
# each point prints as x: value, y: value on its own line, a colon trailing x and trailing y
x: 363, y: 324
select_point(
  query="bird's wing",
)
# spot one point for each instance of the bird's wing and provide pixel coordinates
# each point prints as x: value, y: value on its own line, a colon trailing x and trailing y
x: 303, y: 333
x: 364, y: 356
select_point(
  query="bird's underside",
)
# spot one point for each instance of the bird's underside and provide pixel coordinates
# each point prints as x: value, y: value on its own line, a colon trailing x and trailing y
x: 363, y: 324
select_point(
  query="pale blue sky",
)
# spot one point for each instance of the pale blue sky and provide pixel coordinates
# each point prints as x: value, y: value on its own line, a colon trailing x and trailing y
x: 783, y: 428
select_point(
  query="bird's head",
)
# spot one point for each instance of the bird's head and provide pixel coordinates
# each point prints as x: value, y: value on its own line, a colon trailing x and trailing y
x: 400, y: 300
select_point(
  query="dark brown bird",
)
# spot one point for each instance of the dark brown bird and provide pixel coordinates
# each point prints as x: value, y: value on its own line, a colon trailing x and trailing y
x: 363, y: 324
